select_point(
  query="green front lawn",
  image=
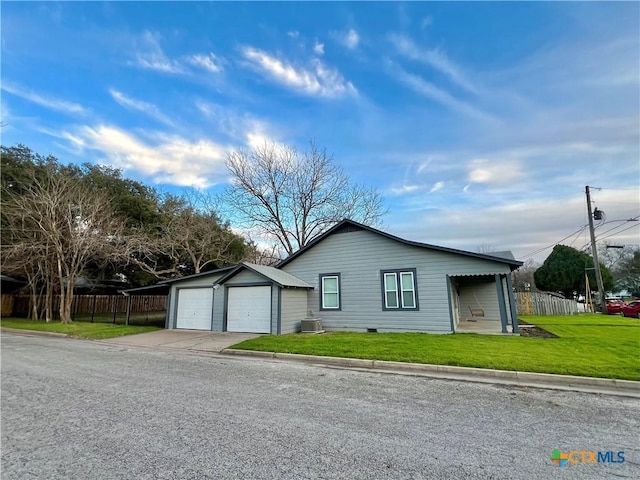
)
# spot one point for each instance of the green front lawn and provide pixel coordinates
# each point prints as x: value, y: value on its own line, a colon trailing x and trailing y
x: 588, y: 345
x: 94, y: 331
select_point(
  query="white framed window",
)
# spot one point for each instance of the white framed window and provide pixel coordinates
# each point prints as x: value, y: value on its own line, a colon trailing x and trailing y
x: 408, y: 291
x: 399, y: 290
x: 330, y: 291
x: 390, y: 290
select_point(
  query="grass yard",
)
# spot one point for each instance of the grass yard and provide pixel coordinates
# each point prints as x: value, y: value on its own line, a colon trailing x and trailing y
x: 588, y: 345
x: 94, y: 331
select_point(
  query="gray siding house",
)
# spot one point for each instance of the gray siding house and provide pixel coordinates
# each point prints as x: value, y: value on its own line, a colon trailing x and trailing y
x: 353, y: 278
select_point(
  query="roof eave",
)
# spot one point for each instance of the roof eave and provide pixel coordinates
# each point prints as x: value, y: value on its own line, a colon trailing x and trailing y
x: 513, y: 264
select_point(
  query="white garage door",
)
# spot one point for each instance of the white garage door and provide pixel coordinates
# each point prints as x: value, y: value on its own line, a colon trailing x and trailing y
x: 249, y: 309
x: 194, y: 308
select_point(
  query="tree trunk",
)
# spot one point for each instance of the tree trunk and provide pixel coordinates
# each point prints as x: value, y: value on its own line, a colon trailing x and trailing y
x: 48, y: 302
x: 66, y: 300
x: 66, y: 294
x: 34, y: 304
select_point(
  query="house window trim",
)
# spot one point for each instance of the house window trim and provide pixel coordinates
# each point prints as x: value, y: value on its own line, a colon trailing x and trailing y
x: 321, y: 278
x: 399, y: 295
x: 386, y: 291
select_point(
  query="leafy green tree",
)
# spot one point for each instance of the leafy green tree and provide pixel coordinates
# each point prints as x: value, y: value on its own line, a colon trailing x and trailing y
x: 55, y: 226
x: 136, y: 203
x: 158, y: 236
x: 564, y: 271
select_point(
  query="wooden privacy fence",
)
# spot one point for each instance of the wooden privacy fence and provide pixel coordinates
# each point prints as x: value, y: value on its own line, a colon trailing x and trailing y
x: 6, y: 305
x: 20, y: 305
x: 538, y: 303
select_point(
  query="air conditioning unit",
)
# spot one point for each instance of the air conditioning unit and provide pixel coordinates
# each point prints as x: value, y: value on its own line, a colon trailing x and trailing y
x: 311, y: 325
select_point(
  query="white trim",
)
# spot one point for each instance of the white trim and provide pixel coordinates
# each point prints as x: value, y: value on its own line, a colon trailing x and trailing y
x: 336, y: 293
x: 387, y: 290
x: 413, y: 289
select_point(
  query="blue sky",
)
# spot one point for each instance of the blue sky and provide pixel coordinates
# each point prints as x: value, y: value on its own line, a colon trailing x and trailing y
x: 481, y: 123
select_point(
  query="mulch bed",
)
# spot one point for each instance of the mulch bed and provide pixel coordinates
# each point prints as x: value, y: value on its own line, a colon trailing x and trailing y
x: 529, y: 330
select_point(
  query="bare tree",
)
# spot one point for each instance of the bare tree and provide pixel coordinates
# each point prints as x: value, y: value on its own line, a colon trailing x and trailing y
x: 523, y: 280
x: 194, y: 233
x: 292, y: 197
x: 58, y: 225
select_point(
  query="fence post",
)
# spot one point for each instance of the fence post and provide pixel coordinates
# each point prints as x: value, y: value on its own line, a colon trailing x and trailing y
x: 93, y: 308
x: 126, y: 322
x: 115, y: 307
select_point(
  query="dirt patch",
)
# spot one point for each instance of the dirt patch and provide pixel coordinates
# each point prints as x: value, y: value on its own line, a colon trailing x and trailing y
x: 529, y: 330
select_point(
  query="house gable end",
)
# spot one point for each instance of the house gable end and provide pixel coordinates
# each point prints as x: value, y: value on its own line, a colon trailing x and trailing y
x: 349, y: 226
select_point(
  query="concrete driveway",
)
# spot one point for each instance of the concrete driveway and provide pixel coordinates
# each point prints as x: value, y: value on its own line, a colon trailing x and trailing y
x: 193, y: 340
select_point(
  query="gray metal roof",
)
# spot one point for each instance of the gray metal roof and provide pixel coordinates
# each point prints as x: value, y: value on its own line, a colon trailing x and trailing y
x: 507, y: 254
x: 163, y: 287
x: 196, y: 275
x: 279, y: 277
x: 158, y: 289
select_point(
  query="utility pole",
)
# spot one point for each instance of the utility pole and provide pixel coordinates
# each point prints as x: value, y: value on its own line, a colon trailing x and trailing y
x: 594, y: 252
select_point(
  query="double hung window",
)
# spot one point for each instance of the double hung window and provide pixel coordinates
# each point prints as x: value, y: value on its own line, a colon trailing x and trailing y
x: 399, y: 290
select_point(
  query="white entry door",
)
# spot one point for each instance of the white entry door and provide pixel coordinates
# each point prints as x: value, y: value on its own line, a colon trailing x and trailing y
x: 194, y: 308
x: 249, y: 309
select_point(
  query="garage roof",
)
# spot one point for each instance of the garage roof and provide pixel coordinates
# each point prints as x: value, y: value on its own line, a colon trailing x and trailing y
x: 280, y: 278
x: 163, y: 287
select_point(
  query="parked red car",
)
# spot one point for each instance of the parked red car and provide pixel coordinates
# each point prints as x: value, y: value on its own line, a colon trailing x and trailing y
x: 631, y: 310
x: 614, y: 306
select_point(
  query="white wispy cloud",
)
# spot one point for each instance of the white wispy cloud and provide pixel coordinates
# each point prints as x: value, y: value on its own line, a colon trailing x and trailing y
x: 435, y: 58
x: 315, y: 80
x: 147, y: 108
x: 167, y: 159
x: 428, y: 89
x: 493, y: 171
x: 51, y: 103
x: 239, y: 126
x: 210, y: 62
x: 524, y: 224
x: 151, y: 56
x: 436, y: 186
x: 318, y: 48
x: 350, y: 38
x: 404, y: 189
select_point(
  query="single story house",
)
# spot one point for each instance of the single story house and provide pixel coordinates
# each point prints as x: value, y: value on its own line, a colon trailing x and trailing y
x: 354, y: 278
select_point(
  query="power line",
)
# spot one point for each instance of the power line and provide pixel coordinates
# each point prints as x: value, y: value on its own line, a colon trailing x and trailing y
x: 601, y: 237
x: 617, y: 233
x: 617, y: 226
x: 577, y: 232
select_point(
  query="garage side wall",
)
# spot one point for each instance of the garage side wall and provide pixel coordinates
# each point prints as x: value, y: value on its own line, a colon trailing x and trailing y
x: 294, y: 309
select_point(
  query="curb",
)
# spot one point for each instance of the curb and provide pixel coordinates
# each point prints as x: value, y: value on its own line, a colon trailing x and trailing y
x: 626, y: 388
x: 33, y: 332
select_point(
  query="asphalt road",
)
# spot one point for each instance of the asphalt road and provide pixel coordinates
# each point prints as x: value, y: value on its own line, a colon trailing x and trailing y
x: 75, y: 409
